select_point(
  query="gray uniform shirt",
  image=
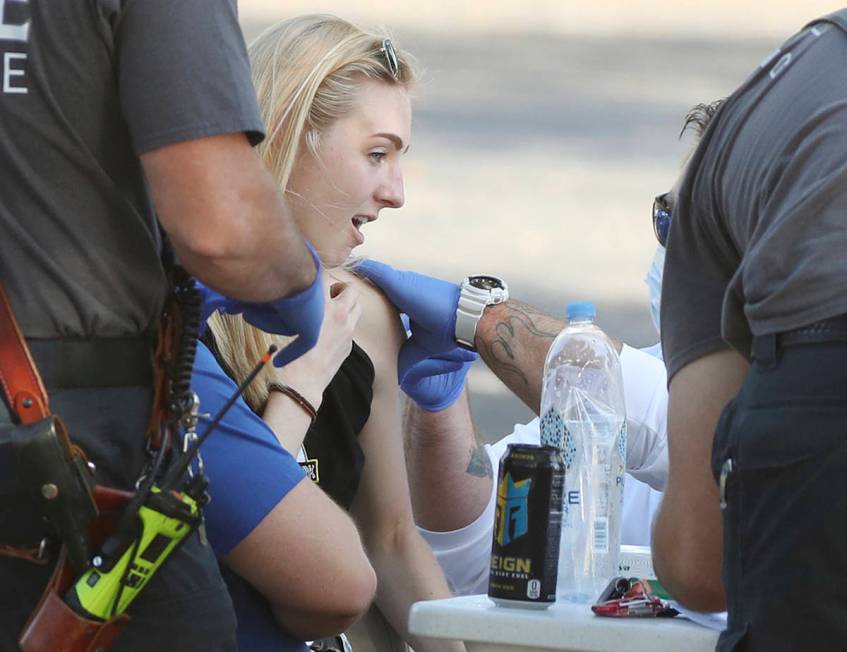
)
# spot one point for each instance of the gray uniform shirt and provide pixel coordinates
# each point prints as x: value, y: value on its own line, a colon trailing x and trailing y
x: 758, y: 244
x: 88, y: 86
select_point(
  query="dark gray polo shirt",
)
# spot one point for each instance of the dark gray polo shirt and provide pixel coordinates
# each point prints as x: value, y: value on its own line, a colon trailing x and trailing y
x: 759, y: 239
x: 87, y: 86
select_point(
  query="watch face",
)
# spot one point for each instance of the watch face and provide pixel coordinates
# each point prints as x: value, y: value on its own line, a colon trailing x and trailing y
x: 485, y: 282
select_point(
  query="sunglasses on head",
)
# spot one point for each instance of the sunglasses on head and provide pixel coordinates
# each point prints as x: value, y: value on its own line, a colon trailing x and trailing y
x: 661, y: 218
x: 391, y: 59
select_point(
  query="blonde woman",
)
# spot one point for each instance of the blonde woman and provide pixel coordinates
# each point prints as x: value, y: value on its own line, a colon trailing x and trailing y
x: 335, y: 101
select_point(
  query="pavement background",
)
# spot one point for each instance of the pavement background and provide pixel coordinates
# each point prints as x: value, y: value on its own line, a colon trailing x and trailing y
x: 542, y: 131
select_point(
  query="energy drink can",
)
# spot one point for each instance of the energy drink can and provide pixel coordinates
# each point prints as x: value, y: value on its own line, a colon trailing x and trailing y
x: 527, y: 526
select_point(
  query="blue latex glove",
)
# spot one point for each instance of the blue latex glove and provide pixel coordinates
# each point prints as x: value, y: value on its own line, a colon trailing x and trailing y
x: 300, y: 314
x: 429, y: 302
x: 436, y: 382
x: 431, y: 368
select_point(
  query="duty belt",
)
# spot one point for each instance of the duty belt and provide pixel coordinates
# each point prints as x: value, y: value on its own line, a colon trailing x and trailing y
x: 766, y: 347
x: 102, y: 362
x: 826, y: 330
x: 77, y: 364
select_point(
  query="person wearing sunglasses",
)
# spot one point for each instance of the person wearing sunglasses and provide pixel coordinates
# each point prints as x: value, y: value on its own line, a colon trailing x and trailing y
x: 662, y: 213
x: 754, y: 328
x: 450, y: 469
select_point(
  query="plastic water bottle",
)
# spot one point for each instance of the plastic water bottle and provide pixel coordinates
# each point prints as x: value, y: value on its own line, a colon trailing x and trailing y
x: 583, y: 413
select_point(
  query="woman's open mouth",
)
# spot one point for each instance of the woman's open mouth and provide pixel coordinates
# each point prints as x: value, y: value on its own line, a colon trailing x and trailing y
x: 358, y: 222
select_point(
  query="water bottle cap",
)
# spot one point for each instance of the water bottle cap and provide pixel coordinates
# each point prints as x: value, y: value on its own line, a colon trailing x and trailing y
x: 581, y: 311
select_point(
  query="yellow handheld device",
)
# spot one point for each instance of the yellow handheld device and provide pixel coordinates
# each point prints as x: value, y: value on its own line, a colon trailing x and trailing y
x: 165, y: 520
x: 152, y: 526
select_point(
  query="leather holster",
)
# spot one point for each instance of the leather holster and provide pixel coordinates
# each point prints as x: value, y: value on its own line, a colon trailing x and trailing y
x: 55, y: 627
x: 55, y: 477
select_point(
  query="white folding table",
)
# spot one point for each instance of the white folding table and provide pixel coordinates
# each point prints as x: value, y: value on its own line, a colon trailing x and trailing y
x: 564, y: 626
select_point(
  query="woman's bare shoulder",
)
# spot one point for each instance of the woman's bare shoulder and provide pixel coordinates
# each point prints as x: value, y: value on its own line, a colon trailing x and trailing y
x: 379, y: 331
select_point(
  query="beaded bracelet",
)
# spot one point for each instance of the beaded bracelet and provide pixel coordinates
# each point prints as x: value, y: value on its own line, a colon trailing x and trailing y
x: 295, y: 396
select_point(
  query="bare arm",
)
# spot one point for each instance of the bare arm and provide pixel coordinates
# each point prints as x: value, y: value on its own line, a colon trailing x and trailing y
x: 513, y: 339
x: 306, y: 559
x: 226, y: 218
x: 312, y: 372
x: 450, y: 472
x: 687, y: 537
x: 404, y: 564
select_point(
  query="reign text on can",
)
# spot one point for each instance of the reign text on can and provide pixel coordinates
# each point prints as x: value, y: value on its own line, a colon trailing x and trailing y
x: 527, y: 526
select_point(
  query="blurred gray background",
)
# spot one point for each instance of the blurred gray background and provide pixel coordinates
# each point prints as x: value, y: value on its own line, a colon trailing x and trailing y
x: 542, y: 130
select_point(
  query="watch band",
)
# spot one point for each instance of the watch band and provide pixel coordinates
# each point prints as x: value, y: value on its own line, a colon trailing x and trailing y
x: 472, y: 303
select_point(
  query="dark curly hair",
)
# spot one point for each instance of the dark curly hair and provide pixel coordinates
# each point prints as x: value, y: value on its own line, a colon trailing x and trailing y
x: 699, y: 117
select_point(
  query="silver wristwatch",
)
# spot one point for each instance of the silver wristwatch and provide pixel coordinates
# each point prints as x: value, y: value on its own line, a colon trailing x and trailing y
x: 478, y: 292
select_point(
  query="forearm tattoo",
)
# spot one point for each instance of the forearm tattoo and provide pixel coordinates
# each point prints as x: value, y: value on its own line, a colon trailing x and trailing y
x: 508, y: 334
x: 480, y: 464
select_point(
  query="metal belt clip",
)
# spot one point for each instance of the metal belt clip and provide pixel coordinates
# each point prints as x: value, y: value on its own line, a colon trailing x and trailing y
x: 331, y: 644
x: 189, y: 422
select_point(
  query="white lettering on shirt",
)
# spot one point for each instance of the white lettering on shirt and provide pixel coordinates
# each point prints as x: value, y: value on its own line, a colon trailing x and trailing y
x: 781, y: 65
x: 12, y: 32
x: 9, y: 72
x: 770, y: 58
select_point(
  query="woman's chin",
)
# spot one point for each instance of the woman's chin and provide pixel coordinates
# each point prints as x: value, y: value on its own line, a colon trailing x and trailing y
x: 336, y: 258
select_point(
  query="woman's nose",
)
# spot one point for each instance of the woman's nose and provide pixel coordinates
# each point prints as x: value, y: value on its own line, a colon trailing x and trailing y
x: 392, y: 193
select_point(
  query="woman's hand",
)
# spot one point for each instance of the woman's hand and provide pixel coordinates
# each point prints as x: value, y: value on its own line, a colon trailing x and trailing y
x: 312, y: 372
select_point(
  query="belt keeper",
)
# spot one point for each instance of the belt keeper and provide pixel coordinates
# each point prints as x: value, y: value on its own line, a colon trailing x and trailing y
x: 765, y: 350
x: 297, y: 397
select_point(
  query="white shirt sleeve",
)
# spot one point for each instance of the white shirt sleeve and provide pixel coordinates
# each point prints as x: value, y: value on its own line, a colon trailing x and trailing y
x: 640, y: 504
x: 464, y: 554
x: 645, y: 388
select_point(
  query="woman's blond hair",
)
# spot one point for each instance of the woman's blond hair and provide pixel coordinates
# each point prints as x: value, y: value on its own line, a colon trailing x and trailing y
x: 306, y: 71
